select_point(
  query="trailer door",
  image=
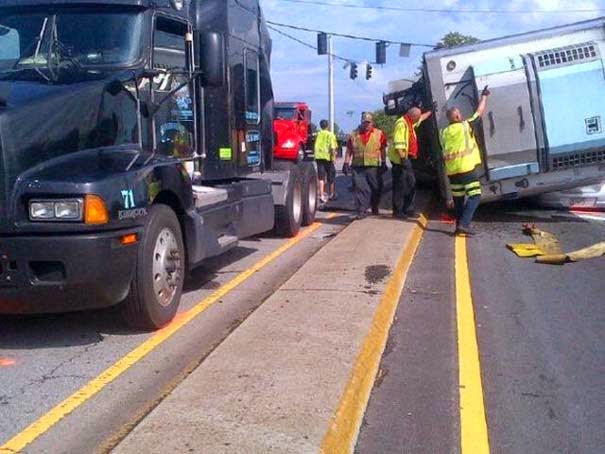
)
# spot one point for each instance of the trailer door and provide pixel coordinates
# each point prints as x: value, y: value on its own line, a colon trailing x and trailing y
x: 509, y: 135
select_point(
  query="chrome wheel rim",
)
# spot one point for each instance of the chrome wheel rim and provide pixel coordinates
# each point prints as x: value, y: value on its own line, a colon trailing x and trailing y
x: 312, y: 196
x: 167, y: 268
x: 297, y: 204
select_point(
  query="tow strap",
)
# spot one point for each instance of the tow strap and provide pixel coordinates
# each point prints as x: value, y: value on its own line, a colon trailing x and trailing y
x: 547, y: 248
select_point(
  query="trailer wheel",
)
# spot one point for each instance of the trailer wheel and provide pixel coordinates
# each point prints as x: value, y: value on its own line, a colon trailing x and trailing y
x: 309, y: 194
x: 288, y: 218
x: 155, y: 291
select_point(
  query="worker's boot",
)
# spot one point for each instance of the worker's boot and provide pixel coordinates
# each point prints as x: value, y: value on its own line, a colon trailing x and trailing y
x: 464, y: 231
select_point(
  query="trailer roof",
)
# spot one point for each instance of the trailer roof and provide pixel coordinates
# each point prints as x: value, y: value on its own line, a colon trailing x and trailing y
x: 515, y: 39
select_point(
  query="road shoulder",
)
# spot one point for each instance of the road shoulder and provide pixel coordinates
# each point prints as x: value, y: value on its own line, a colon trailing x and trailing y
x: 276, y: 382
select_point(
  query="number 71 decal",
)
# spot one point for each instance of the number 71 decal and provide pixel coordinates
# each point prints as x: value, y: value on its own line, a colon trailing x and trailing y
x: 128, y: 196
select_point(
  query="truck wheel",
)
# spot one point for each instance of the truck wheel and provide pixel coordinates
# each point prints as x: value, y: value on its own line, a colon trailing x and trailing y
x: 301, y: 154
x: 155, y: 291
x: 288, y: 218
x: 309, y: 194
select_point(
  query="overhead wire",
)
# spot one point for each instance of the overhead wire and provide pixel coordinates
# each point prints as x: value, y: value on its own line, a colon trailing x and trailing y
x: 310, y: 46
x: 448, y: 10
x: 345, y: 35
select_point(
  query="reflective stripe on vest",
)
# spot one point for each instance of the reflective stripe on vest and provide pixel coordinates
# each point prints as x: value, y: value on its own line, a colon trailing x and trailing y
x: 367, y: 155
x: 458, y: 160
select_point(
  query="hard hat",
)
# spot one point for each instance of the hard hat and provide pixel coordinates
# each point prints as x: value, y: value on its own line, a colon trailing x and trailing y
x: 367, y: 116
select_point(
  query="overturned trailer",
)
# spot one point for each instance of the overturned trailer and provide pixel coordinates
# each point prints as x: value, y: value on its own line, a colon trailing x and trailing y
x: 543, y: 128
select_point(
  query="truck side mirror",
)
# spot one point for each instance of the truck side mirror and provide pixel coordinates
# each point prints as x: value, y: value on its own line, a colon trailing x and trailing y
x: 212, y: 59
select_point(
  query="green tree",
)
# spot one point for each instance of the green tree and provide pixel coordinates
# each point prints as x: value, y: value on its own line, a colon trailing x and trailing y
x: 384, y: 122
x: 449, y: 40
x: 454, y: 39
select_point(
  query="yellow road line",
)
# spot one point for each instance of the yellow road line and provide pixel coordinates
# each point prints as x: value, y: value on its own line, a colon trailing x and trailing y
x: 47, y: 421
x: 344, y: 428
x: 473, y: 425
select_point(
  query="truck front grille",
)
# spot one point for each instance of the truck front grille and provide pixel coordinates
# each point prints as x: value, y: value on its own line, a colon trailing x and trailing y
x: 577, y: 159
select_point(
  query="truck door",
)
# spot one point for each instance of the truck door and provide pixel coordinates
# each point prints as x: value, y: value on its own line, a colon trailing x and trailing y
x: 252, y: 141
x: 174, y: 120
x: 572, y: 88
x: 509, y: 135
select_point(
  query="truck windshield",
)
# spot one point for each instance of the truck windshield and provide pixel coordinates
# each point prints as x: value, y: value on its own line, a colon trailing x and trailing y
x: 49, y: 44
x: 285, y: 113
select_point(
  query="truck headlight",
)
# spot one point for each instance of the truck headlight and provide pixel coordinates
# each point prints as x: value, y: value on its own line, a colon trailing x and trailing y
x: 56, y: 210
x: 41, y: 210
x: 289, y: 144
x: 71, y: 210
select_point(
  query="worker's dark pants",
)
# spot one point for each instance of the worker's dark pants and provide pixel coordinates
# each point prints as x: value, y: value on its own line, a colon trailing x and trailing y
x: 367, y: 188
x: 466, y: 191
x: 404, y: 187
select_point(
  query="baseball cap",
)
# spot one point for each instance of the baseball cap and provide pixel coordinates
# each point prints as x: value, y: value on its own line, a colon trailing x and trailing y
x: 367, y: 116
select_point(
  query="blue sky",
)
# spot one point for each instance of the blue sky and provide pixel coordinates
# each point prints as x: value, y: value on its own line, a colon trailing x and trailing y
x: 299, y: 74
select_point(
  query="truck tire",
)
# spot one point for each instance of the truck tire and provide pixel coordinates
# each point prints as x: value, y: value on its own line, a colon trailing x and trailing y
x: 302, y: 155
x: 288, y: 218
x: 156, y: 288
x: 309, y: 194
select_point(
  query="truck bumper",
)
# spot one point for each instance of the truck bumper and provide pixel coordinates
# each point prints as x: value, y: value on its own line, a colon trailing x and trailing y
x: 42, y: 274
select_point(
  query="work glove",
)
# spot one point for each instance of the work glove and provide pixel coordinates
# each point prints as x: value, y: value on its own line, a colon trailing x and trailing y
x: 346, y: 168
x: 383, y: 168
x: 486, y: 91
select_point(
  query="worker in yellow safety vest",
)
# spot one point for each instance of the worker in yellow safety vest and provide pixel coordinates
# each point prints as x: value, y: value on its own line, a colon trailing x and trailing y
x: 461, y: 156
x: 401, y: 154
x: 366, y: 160
x: 325, y: 154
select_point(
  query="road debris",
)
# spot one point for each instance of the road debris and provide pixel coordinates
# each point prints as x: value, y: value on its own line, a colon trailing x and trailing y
x: 547, y: 248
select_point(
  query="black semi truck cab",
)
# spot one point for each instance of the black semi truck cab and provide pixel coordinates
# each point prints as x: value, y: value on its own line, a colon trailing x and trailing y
x: 135, y: 141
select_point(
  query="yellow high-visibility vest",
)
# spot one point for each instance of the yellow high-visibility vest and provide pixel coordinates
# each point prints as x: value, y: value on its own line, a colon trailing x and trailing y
x: 325, y: 142
x: 460, y: 150
x: 366, y: 155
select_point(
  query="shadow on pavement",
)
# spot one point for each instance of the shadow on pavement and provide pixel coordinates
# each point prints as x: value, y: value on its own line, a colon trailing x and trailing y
x: 91, y: 326
x: 522, y: 211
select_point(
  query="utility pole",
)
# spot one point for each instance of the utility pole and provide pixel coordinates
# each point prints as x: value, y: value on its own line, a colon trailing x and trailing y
x: 331, y: 82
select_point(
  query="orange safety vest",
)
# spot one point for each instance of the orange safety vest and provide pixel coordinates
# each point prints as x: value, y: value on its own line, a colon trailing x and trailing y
x: 366, y: 155
x: 413, y: 139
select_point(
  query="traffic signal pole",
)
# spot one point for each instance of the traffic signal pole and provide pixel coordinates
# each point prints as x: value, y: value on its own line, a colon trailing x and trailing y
x: 331, y: 83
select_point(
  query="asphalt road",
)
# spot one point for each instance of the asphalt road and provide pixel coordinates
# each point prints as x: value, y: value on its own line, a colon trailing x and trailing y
x: 45, y: 359
x: 541, y: 336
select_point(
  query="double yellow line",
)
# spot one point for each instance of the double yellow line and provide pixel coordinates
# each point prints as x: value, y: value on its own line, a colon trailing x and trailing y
x: 85, y: 393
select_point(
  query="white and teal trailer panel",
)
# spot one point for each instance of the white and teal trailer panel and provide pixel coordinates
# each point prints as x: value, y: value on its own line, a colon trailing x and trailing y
x: 544, y: 126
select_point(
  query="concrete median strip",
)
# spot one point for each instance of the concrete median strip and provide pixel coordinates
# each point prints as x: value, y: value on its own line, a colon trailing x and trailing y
x: 296, y: 375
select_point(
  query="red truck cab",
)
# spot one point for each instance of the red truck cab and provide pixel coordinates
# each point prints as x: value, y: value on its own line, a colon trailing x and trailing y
x: 291, y: 126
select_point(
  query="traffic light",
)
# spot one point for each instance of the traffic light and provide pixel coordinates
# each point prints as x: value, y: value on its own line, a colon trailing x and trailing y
x: 354, y: 72
x: 381, y: 52
x: 322, y: 44
x: 369, y: 71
